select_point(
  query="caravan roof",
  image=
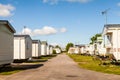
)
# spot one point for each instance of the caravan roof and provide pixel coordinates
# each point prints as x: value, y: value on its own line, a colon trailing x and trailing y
x: 5, y: 22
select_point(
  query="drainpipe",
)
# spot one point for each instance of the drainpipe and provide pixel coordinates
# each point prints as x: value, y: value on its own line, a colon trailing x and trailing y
x: 117, y: 42
x: 35, y: 49
x: 104, y: 43
x: 20, y: 48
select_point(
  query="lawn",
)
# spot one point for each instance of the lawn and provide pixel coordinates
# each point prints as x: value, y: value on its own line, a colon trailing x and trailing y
x: 87, y: 62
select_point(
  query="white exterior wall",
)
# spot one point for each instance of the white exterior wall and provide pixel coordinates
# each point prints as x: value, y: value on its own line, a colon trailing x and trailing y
x: 116, y: 44
x: 77, y: 50
x: 36, y: 50
x: 82, y: 50
x: 43, y: 49
x: 89, y: 49
x: 51, y: 50
x: 58, y: 50
x: 73, y: 50
x: 6, y: 45
x: 112, y: 45
x: 19, y: 48
x: 48, y: 50
x: 22, y: 48
x: 100, y: 48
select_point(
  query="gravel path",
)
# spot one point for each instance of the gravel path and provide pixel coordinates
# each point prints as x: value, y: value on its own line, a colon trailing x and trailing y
x: 60, y: 68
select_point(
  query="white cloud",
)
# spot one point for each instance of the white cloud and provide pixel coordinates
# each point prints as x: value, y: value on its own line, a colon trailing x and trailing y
x: 80, y: 1
x: 51, y: 1
x: 56, y: 1
x: 46, y: 30
x: 118, y: 4
x: 6, y: 10
x: 63, y: 30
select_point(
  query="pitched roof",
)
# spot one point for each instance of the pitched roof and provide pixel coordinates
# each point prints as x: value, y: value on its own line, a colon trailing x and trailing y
x: 19, y: 35
x: 112, y: 25
x: 51, y: 46
x: 5, y: 22
x: 109, y: 26
x: 44, y: 42
x: 36, y: 41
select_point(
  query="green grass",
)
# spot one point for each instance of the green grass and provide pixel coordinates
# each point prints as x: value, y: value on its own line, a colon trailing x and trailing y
x: 47, y: 57
x: 10, y: 72
x: 87, y: 62
x: 17, y: 68
x: 41, y: 59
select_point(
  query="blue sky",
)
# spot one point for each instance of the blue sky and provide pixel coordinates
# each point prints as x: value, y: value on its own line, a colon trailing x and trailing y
x: 60, y: 21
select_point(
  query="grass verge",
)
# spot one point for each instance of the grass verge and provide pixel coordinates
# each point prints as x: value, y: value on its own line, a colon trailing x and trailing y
x: 9, y: 70
x: 17, y: 68
x: 47, y: 57
x: 14, y: 68
x: 41, y: 59
x: 87, y: 62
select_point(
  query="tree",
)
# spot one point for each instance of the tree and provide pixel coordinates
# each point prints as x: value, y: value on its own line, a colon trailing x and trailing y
x: 94, y: 38
x: 69, y: 45
x: 57, y: 46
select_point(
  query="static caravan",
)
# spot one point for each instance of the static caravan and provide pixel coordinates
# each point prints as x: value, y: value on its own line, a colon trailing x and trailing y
x: 36, y: 48
x: 6, y: 42
x: 74, y: 50
x: 82, y: 48
x: 48, y: 50
x: 44, y: 48
x: 51, y: 49
x: 111, y: 33
x: 22, y: 47
x: 89, y: 49
x: 100, y: 49
x: 58, y: 50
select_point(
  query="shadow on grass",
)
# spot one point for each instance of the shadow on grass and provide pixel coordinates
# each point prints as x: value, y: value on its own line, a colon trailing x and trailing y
x: 36, y: 61
x: 18, y: 67
x: 48, y: 56
x: 42, y: 58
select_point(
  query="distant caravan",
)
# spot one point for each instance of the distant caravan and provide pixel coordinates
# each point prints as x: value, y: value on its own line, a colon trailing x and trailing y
x: 22, y: 47
x: 74, y: 50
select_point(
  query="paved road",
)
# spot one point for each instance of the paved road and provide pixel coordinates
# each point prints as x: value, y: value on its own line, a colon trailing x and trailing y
x: 60, y: 68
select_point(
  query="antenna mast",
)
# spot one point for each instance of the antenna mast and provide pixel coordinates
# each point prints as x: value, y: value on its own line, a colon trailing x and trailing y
x: 24, y: 30
x: 105, y: 13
